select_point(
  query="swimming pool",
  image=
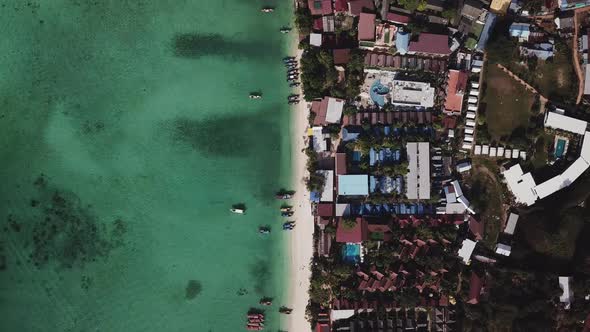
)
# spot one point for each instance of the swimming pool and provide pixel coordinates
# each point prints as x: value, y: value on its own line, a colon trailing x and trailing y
x: 351, y: 253
x: 378, y: 92
x: 560, y: 148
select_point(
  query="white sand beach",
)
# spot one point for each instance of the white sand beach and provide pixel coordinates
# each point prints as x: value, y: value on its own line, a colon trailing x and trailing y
x: 301, y: 246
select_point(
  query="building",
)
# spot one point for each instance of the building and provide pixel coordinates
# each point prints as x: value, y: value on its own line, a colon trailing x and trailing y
x: 521, y: 185
x: 315, y: 39
x: 320, y: 7
x: 328, y: 193
x: 366, y: 27
x: 475, y: 288
x: 410, y: 93
x: 571, y: 4
x: 563, y: 122
x: 327, y: 111
x: 511, y: 224
x: 503, y: 249
x: 402, y: 42
x: 568, y: 294
x: 341, y: 56
x: 464, y: 167
x: 385, y: 35
x: 521, y: 31
x: 466, y: 250
x: 429, y: 43
x: 398, y: 18
x: 356, y: 7
x: 418, y: 176
x: 472, y: 9
x: 356, y: 234
x: 435, y: 5
x: 500, y: 6
x: 457, y: 203
x: 456, y: 85
x: 353, y: 185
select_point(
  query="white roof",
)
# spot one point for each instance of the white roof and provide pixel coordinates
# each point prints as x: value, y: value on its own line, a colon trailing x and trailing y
x: 511, y: 224
x: 454, y: 208
x: 315, y: 39
x: 409, y: 93
x: 550, y: 186
x: 470, y: 123
x: 587, y: 81
x: 469, y: 131
x: 342, y: 209
x: 424, y: 170
x: 418, y: 177
x: 522, y: 154
x: 503, y: 249
x: 492, y: 152
x: 471, y: 115
x: 475, y: 85
x: 515, y: 153
x: 468, y: 138
x: 412, y: 175
x: 477, y: 150
x: 466, y: 146
x: 485, y: 150
x: 334, y: 112
x: 500, y: 151
x: 466, y: 250
x: 564, y: 122
x: 342, y: 314
x: 472, y: 108
x: 585, y: 151
x: 472, y: 100
x: 568, y: 294
x: 328, y: 193
x: 521, y: 185
x: 463, y: 167
x: 474, y: 92
x: 573, y: 172
x: 451, y: 133
x: 319, y: 141
x: 507, y: 153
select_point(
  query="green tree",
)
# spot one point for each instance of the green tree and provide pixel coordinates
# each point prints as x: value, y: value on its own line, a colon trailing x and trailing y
x: 413, y: 4
x: 303, y: 20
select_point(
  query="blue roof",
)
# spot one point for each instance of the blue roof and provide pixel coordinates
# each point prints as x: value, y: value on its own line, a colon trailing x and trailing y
x: 315, y: 196
x: 519, y: 29
x: 402, y: 41
x: 353, y: 185
x: 485, y: 33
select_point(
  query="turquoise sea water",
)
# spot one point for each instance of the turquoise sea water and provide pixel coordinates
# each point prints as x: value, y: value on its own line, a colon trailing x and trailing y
x: 127, y: 135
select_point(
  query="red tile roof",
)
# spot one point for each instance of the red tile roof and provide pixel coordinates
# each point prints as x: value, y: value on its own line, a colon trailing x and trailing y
x: 320, y: 7
x: 356, y: 234
x: 366, y: 27
x: 476, y: 227
x: 356, y: 6
x: 340, y: 163
x: 431, y: 44
x: 318, y: 24
x: 340, y: 6
x: 320, y: 108
x: 325, y: 210
x: 456, y: 85
x: 398, y: 18
x: 449, y: 122
x: 341, y: 56
x: 322, y: 327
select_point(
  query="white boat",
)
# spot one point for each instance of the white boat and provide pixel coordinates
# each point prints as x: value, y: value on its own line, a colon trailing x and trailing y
x: 236, y: 210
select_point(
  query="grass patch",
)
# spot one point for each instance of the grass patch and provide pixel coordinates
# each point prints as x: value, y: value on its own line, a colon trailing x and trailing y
x: 540, y: 155
x: 556, y: 78
x: 486, y: 197
x: 508, y: 103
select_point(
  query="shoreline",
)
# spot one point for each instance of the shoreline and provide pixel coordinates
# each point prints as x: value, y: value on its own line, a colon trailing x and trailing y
x: 301, y: 239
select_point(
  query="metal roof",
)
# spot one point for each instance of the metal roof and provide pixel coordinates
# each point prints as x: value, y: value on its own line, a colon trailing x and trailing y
x: 353, y: 185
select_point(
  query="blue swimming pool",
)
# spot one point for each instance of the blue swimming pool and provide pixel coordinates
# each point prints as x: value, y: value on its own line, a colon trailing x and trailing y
x: 378, y: 91
x: 559, y: 148
x: 351, y: 253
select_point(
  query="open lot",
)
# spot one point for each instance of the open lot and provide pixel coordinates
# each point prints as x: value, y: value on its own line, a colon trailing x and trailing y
x: 508, y: 104
x: 556, y: 78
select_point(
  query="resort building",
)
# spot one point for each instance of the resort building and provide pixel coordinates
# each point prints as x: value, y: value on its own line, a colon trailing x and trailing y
x: 472, y: 9
x: 409, y: 93
x: 521, y: 185
x: 398, y: 18
x: 327, y: 111
x: 315, y: 39
x: 356, y: 7
x: 556, y: 120
x: 522, y: 31
x: 353, y: 185
x: 466, y: 250
x: 366, y: 30
x: 385, y: 36
x: 432, y: 44
x: 457, y: 203
x: 568, y: 294
x: 456, y: 85
x: 320, y: 7
x: 511, y: 224
x: 402, y: 42
x: 418, y: 176
x: 328, y: 193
